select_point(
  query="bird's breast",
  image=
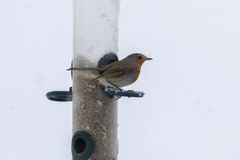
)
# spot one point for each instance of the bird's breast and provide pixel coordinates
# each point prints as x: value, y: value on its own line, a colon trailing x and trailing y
x: 136, y: 76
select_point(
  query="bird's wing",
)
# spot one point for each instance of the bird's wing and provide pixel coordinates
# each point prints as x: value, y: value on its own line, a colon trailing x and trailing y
x: 118, y: 71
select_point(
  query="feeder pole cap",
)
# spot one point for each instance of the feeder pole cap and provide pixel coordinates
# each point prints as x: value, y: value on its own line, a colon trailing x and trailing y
x: 82, y: 145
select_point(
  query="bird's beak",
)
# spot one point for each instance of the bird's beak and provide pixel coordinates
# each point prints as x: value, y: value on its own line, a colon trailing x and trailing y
x: 149, y: 59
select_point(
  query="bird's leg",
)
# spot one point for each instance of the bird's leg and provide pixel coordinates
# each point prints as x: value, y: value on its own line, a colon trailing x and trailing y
x: 118, y: 97
x: 114, y: 85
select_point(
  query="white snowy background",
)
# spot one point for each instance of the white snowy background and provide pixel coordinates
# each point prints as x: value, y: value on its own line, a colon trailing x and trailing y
x: 191, y: 107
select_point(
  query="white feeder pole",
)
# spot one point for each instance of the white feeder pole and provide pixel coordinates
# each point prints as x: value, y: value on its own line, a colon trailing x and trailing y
x: 95, y: 34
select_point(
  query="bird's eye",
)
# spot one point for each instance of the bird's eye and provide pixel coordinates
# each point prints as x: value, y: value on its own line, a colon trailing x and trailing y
x: 139, y: 57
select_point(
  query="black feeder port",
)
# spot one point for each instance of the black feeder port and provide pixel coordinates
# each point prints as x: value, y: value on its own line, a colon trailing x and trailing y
x: 82, y: 145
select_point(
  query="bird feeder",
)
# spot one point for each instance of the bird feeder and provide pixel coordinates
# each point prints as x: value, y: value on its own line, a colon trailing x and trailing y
x: 94, y: 113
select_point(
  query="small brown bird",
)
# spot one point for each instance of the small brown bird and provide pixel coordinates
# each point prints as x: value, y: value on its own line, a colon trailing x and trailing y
x: 120, y: 73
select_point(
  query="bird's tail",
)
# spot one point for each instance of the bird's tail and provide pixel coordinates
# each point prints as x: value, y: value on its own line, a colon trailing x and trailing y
x: 83, y: 69
x: 95, y: 71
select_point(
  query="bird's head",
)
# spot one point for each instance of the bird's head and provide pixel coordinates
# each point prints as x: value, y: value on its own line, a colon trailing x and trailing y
x: 138, y: 58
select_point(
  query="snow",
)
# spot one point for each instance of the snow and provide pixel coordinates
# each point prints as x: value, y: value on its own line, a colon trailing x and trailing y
x: 190, y: 109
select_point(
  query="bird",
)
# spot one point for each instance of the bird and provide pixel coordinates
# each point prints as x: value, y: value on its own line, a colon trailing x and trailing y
x: 120, y: 73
